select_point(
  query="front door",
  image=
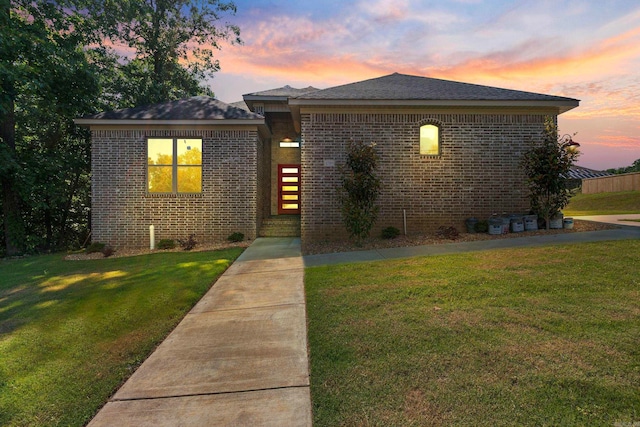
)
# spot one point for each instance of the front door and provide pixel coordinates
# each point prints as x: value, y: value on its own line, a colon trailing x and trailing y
x: 289, y: 186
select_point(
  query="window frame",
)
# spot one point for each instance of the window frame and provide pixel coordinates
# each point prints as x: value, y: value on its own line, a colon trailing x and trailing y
x: 175, y: 165
x: 439, y: 127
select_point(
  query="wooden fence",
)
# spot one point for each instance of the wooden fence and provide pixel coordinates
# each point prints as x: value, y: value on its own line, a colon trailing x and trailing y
x: 612, y: 184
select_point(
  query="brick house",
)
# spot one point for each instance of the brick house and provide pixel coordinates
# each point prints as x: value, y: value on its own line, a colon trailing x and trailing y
x: 447, y: 150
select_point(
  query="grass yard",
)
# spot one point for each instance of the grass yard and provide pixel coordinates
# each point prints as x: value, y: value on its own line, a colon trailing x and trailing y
x: 543, y: 336
x: 72, y: 331
x: 625, y: 202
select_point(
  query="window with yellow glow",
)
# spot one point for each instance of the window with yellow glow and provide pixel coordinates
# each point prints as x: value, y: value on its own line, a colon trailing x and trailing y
x: 174, y: 165
x: 429, y: 140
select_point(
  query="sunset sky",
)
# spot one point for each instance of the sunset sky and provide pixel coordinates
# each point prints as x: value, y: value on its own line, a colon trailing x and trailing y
x: 588, y: 50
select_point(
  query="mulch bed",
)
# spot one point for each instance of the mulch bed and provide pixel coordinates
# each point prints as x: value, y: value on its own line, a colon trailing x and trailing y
x: 431, y: 239
x: 370, y: 243
x: 134, y: 252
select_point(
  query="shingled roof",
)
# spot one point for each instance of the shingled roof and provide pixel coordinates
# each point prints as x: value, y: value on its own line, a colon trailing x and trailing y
x: 194, y: 109
x: 278, y: 96
x: 429, y: 91
x: 282, y: 92
x: 579, y: 172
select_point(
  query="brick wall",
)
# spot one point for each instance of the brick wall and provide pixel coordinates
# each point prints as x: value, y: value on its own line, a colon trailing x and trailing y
x: 122, y: 211
x: 263, y: 183
x: 477, y: 173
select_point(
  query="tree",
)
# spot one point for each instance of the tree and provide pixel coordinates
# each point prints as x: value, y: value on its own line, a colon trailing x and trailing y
x: 45, y: 82
x: 359, y: 190
x: 55, y: 66
x: 635, y: 167
x: 547, y: 166
x: 172, y: 43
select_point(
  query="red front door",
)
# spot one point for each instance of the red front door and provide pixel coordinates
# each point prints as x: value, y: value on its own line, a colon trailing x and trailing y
x: 289, y: 189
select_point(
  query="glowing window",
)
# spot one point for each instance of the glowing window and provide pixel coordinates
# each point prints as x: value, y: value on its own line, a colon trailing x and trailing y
x: 174, y: 165
x: 429, y: 140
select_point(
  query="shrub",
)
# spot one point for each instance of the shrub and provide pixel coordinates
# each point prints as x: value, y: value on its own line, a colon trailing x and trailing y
x: 481, y: 227
x: 188, y: 243
x: 166, y: 244
x: 236, y: 237
x: 547, y: 164
x: 107, y: 251
x: 359, y: 190
x: 390, y: 233
x: 447, y: 233
x: 95, y: 247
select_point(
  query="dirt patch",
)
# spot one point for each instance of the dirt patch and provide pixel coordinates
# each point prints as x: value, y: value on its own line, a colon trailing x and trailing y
x: 431, y: 239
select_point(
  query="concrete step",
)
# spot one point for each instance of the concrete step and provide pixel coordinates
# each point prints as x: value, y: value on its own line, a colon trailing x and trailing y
x: 281, y: 226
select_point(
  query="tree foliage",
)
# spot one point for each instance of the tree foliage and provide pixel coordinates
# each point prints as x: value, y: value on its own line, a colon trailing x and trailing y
x: 359, y: 190
x: 46, y: 82
x: 57, y: 63
x: 546, y: 165
x: 635, y: 167
x: 169, y: 46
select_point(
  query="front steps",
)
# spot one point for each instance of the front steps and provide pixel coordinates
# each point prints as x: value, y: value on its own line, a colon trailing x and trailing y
x: 281, y: 226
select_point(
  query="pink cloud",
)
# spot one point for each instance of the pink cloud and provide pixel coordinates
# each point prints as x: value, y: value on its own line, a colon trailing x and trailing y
x: 619, y: 142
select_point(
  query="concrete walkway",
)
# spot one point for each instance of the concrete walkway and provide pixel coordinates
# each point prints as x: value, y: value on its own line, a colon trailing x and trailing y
x: 619, y: 220
x: 239, y: 358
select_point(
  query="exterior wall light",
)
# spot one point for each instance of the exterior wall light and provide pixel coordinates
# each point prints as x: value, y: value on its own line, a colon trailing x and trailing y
x: 568, y: 143
x: 287, y: 142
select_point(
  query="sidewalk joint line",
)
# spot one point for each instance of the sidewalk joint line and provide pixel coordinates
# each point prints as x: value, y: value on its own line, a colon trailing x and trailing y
x: 247, y: 308
x: 218, y: 393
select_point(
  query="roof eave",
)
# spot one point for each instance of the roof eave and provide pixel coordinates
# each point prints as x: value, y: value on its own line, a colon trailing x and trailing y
x: 562, y: 105
x: 148, y: 122
x: 264, y: 98
x: 250, y: 100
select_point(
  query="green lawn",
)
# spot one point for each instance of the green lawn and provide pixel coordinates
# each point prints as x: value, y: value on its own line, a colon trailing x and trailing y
x: 72, y: 331
x: 625, y: 202
x: 527, y: 337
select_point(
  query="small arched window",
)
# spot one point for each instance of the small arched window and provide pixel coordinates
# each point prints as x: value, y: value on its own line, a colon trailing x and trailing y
x: 429, y: 140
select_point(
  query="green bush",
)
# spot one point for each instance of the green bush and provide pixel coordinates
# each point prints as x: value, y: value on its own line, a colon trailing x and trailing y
x: 390, y: 233
x: 107, y: 251
x: 236, y: 237
x: 481, y: 227
x: 95, y: 247
x: 189, y: 243
x: 450, y: 233
x: 166, y: 244
x: 547, y: 164
x: 359, y: 190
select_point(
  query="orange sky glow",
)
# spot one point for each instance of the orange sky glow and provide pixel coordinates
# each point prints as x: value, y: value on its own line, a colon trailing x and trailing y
x: 580, y: 49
